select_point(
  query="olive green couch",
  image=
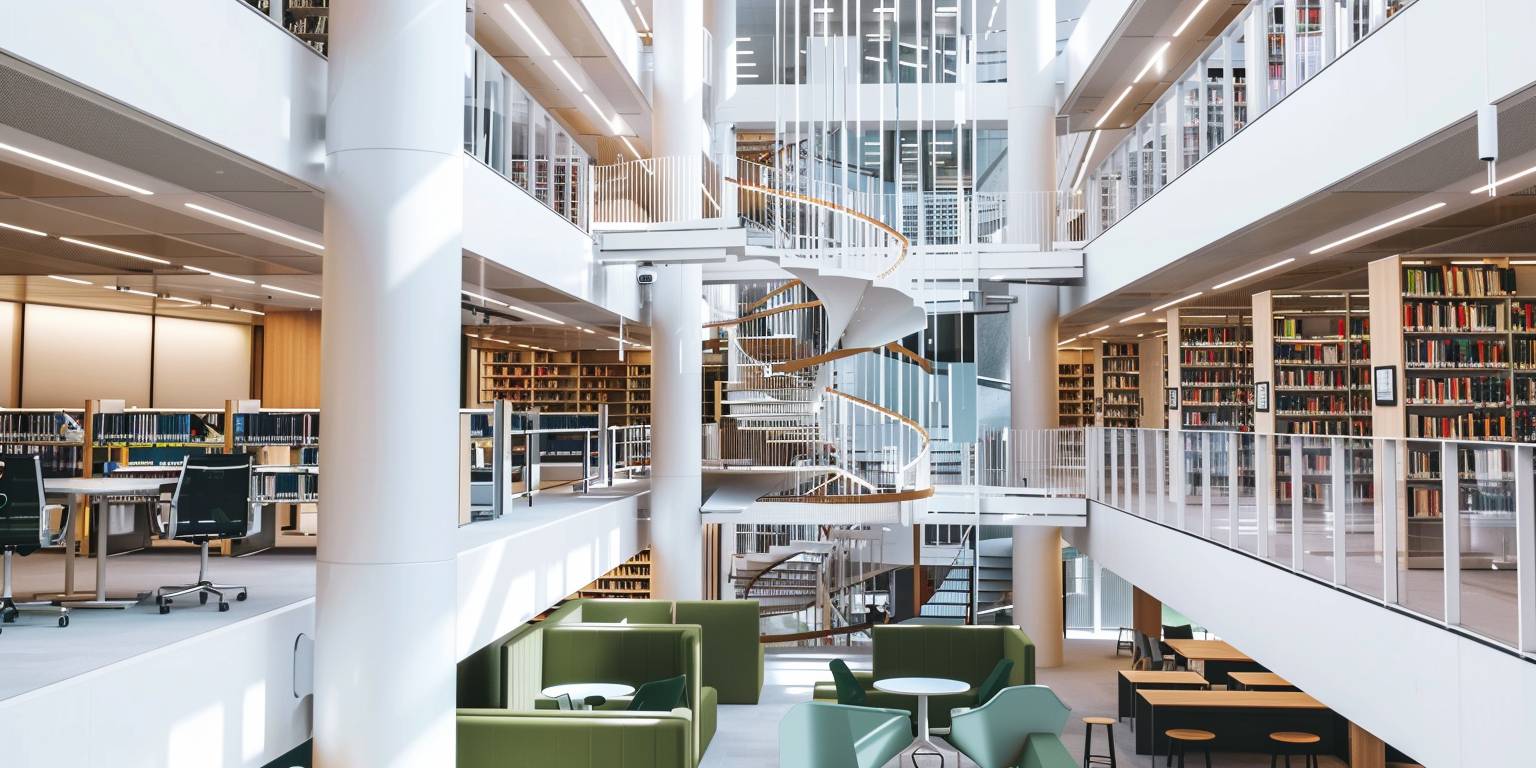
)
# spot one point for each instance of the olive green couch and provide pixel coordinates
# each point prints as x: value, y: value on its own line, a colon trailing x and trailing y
x: 965, y: 653
x: 503, y: 738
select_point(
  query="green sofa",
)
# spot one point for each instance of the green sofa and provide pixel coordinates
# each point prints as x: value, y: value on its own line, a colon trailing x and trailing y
x: 500, y: 738
x: 965, y: 653
x: 733, y: 654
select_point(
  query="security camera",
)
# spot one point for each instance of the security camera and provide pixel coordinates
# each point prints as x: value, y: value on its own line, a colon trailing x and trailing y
x: 645, y: 275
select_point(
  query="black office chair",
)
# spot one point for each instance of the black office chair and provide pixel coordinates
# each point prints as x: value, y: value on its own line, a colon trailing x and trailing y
x: 24, y: 528
x: 212, y: 501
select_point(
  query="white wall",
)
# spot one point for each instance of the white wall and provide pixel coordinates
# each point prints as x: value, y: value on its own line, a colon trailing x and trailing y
x: 200, y: 364
x: 215, y: 68
x: 1444, y: 700
x: 72, y: 355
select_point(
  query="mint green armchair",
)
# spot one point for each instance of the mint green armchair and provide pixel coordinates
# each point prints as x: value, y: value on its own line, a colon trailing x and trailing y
x: 816, y: 734
x: 995, y: 734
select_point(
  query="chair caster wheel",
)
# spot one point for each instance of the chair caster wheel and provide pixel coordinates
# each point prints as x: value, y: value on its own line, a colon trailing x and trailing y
x: 241, y: 597
x: 63, y: 621
x: 202, y: 598
x: 223, y: 606
x: 164, y: 609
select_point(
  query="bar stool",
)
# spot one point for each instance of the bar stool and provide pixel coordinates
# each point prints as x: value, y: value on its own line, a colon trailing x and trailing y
x: 1181, y: 738
x: 1089, y: 758
x: 1125, y: 641
x: 1301, y: 744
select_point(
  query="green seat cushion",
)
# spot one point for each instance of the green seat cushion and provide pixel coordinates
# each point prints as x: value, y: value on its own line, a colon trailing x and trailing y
x: 499, y: 738
x: 1045, y: 750
x: 616, y: 611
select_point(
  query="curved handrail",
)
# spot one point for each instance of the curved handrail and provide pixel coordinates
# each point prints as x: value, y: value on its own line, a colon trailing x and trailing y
x: 885, y: 411
x: 746, y: 590
x: 771, y: 295
x: 790, y: 366
x: 901, y: 240
x: 764, y: 313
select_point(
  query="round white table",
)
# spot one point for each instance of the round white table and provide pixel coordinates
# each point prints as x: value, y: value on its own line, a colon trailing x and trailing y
x: 922, y: 688
x: 580, y: 691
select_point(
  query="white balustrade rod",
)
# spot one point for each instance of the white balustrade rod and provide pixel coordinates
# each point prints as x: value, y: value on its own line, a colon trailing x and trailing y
x: 1386, y: 499
x: 1263, y: 492
x: 1160, y: 450
x: 1114, y: 469
x: 1234, y: 487
x: 1207, y: 457
x: 1142, y: 472
x: 1180, y: 481
x: 1298, y: 521
x: 1339, y: 504
x: 1450, y: 520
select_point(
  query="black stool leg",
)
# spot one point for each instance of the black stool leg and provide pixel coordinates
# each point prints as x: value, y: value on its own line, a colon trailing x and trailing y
x: 1111, y: 730
x: 1207, y: 754
x: 1087, y: 743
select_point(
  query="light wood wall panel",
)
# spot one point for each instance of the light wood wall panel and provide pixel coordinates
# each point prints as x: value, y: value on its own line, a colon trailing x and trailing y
x: 290, y: 369
x: 200, y: 364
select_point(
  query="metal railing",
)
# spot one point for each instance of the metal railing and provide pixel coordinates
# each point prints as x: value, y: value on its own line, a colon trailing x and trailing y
x: 1051, y: 462
x: 655, y: 190
x: 1438, y: 528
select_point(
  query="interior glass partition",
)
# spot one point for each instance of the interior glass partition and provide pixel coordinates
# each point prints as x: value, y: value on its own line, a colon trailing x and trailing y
x: 1420, y: 584
x: 1485, y: 483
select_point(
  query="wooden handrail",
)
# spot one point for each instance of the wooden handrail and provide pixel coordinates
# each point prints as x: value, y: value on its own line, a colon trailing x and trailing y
x: 881, y: 409
x: 922, y: 362
x: 836, y: 208
x: 746, y: 591
x: 771, y: 294
x: 790, y: 366
x: 764, y: 313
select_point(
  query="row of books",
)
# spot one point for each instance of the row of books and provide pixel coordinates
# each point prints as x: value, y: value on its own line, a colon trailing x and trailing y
x: 1121, y: 350
x: 1459, y: 280
x: 1227, y: 334
x: 1458, y: 390
x: 157, y: 428
x: 287, y: 487
x: 1311, y: 354
x: 1234, y: 396
x: 1312, y: 377
x: 1494, y: 425
x: 31, y: 427
x: 1075, y: 369
x: 1121, y: 365
x: 1318, y: 404
x: 1216, y: 357
x: 277, y: 428
x: 1120, y: 398
x: 1456, y: 353
x: 1339, y: 328
x: 56, y: 460
x: 1454, y: 316
x: 1121, y: 381
x: 1325, y: 427
x: 1215, y: 420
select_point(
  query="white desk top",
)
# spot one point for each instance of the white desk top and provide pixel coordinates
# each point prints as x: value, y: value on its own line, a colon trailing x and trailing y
x: 105, y: 486
x: 921, y: 686
x: 580, y: 691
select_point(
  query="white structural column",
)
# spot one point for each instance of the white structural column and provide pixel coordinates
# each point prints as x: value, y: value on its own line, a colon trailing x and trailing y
x: 677, y: 378
x: 677, y: 100
x: 723, y: 30
x: 1032, y: 405
x: 384, y: 614
x: 1031, y: 119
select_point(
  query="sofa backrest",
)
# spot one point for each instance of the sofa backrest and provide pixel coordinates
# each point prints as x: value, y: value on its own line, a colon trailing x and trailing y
x: 615, y: 610
x: 965, y: 653
x: 732, y: 646
x: 506, y: 673
x: 491, y: 738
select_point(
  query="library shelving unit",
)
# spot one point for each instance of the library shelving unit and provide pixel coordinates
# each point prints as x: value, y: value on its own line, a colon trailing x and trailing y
x: 1212, y: 369
x: 575, y: 381
x: 632, y: 579
x: 55, y: 434
x: 309, y: 20
x: 1120, y: 383
x: 1461, y: 340
x: 1074, y: 386
x: 286, y: 446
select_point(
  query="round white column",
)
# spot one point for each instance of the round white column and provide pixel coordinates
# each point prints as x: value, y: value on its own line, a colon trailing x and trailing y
x: 385, y: 576
x: 1031, y: 117
x: 723, y: 29
x: 677, y: 389
x: 677, y: 99
x: 1032, y: 406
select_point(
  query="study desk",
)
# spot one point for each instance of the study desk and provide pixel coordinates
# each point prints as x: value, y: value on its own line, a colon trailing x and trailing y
x: 98, y: 490
x: 1241, y: 720
x: 1212, y: 659
x: 1132, y: 680
x: 1259, y: 681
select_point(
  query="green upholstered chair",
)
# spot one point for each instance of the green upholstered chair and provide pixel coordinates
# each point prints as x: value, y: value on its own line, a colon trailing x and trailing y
x: 996, y: 681
x: 816, y: 734
x: 993, y: 735
x: 733, y: 651
x: 849, y: 691
x: 1045, y: 750
x: 500, y: 738
x: 622, y: 611
x: 660, y: 695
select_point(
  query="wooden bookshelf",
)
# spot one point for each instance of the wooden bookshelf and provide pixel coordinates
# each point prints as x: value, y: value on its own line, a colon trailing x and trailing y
x: 575, y: 381
x: 309, y: 20
x: 1212, y: 368
x: 1074, y: 386
x: 631, y: 580
x: 1120, y: 384
x: 1313, y: 349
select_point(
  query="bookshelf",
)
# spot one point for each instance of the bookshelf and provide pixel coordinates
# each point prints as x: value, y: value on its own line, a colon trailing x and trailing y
x: 309, y: 20
x: 1120, y: 384
x: 1212, y: 368
x: 1074, y: 386
x: 632, y: 580
x: 1458, y: 334
x: 576, y: 381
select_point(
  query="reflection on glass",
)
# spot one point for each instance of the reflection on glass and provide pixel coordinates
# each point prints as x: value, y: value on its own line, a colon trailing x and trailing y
x: 1421, y: 574
x: 1486, y: 498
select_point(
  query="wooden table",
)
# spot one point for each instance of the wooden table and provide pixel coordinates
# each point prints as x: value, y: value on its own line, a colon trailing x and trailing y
x: 1259, y: 681
x: 1241, y: 720
x: 1213, y: 659
x: 1132, y: 680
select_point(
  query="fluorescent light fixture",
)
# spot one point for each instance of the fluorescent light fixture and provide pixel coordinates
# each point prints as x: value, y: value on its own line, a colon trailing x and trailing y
x: 743, y: 39
x: 255, y: 226
x: 1140, y: 335
x: 524, y: 346
x: 118, y: 251
x: 1129, y: 318
x: 535, y: 314
x: 1515, y: 263
x: 947, y: 10
x: 529, y: 30
x: 23, y: 230
x: 500, y: 341
x: 75, y: 169
x: 250, y: 311
x: 1377, y: 228
x: 75, y: 280
x: 126, y: 289
x: 473, y: 335
x: 485, y: 299
x: 181, y: 300
x: 743, y: 51
x: 1156, y: 57
x: 567, y: 74
x: 1505, y: 180
x: 1259, y: 271
x: 281, y: 289
x: 220, y: 275
x: 822, y: 9
x: 875, y: 59
x: 588, y: 330
x: 640, y: 17
x: 746, y: 76
x: 1068, y: 341
x: 1162, y: 307
x: 1113, y: 106
x: 1099, y: 329
x: 217, y: 306
x: 1190, y: 17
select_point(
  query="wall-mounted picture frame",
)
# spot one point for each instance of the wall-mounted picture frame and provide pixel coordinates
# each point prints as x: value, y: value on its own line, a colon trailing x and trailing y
x: 1384, y: 385
x: 1173, y: 398
x: 1261, y: 396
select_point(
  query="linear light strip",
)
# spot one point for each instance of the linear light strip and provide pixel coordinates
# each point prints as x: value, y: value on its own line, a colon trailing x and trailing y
x: 1479, y: 190
x: 76, y: 169
x: 24, y: 230
x: 1099, y: 329
x: 1082, y: 169
x: 254, y: 225
x: 281, y: 289
x: 220, y: 275
x: 126, y: 289
x: 1112, y: 107
x: 485, y: 299
x: 1377, y: 228
x: 526, y: 28
x: 1256, y: 272
x: 1190, y: 17
x: 1129, y: 318
x: 1068, y: 341
x: 118, y: 251
x: 1156, y: 57
x: 568, y: 76
x: 1162, y: 307
x: 75, y: 280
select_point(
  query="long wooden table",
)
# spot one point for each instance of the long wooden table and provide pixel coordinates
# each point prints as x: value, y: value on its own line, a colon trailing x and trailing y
x: 1259, y: 681
x: 1241, y: 720
x: 1132, y: 680
x: 1213, y: 659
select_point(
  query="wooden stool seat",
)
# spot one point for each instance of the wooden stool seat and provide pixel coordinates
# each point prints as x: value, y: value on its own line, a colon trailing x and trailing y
x: 1099, y: 720
x: 1295, y: 737
x: 1090, y: 759
x: 1190, y: 734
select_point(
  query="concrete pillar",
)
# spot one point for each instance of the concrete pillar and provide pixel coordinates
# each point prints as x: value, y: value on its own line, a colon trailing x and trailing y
x: 1037, y: 589
x: 723, y: 29
x: 1031, y: 119
x: 677, y: 387
x: 385, y: 575
x: 1032, y: 406
x: 677, y: 100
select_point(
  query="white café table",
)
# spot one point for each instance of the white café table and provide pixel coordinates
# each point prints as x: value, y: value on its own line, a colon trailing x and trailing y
x: 98, y: 490
x: 580, y: 691
x: 922, y: 688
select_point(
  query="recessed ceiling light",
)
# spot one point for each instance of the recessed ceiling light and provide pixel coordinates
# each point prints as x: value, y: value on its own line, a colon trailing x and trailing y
x: 1099, y: 329
x: 526, y: 28
x: 1147, y: 67
x: 568, y: 77
x: 181, y: 300
x: 1162, y: 307
x: 1190, y: 17
x: 535, y: 314
x: 1377, y: 228
x: 118, y: 251
x: 250, y: 311
x: 1505, y: 180
x: 1066, y: 342
x: 255, y: 226
x: 75, y: 280
x: 23, y: 230
x: 75, y: 169
x: 126, y: 289
x: 1113, y: 107
x: 1259, y: 271
x: 290, y: 290
x: 1129, y: 318
x: 220, y: 275
x: 484, y: 298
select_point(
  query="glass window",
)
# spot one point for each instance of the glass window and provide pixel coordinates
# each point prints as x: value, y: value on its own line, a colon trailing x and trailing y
x: 1238, y: 54
x: 1190, y: 109
x: 1309, y: 39
x: 1274, y: 24
x: 517, y: 137
x: 541, y: 157
x: 559, y: 174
